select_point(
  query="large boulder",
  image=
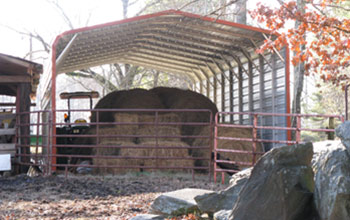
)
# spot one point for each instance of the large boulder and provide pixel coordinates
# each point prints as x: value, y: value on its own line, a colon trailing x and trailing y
x: 331, y: 164
x: 225, y: 199
x: 343, y: 132
x: 178, y: 202
x: 280, y: 186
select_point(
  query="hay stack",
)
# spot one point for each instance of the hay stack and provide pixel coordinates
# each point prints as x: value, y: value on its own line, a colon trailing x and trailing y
x: 233, y: 145
x: 168, y: 152
x: 160, y: 130
x: 110, y: 101
x: 140, y: 99
x: 174, y: 98
x: 115, y: 150
x: 168, y: 95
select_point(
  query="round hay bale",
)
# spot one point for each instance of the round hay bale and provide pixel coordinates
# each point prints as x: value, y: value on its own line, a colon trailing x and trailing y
x: 140, y: 99
x: 110, y: 101
x: 164, y: 150
x: 126, y: 99
x: 168, y: 95
x: 160, y: 130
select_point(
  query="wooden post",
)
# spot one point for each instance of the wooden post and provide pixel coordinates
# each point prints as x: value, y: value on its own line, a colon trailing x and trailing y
x: 331, y: 126
x: 23, y: 103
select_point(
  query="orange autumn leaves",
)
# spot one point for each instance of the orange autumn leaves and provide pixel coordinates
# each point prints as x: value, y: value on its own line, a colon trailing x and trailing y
x: 321, y: 41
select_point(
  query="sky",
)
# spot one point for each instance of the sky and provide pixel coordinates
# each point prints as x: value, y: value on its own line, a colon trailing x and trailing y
x: 41, y: 16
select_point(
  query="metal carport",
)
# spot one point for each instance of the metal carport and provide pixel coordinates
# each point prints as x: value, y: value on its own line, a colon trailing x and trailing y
x: 219, y: 57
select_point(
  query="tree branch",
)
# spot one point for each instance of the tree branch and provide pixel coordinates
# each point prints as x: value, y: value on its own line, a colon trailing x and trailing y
x: 93, y: 75
x: 147, y: 6
x: 221, y: 8
x: 47, y: 46
x: 65, y: 16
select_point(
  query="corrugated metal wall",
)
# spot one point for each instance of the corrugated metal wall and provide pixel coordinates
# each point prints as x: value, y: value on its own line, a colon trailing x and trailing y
x: 265, y: 91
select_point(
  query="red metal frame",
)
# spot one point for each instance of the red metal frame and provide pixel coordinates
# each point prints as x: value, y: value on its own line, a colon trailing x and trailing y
x: 168, y: 12
x: 38, y: 158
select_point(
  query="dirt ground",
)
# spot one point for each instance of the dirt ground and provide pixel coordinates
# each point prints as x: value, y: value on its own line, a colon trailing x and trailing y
x: 90, y: 197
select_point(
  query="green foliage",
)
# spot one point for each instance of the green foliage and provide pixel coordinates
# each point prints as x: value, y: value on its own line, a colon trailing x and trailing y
x: 326, y: 100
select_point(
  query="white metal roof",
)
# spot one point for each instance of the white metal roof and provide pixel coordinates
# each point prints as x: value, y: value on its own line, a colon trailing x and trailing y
x: 170, y: 41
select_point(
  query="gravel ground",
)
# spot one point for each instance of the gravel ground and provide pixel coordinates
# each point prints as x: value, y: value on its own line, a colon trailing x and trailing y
x: 89, y: 197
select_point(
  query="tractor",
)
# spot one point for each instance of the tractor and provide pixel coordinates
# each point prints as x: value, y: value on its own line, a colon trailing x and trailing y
x: 75, y: 128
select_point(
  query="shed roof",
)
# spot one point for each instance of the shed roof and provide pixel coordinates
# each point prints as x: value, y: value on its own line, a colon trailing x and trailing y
x: 14, y: 70
x: 171, y: 41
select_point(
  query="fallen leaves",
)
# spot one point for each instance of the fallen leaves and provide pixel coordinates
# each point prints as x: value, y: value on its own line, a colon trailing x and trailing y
x: 88, y: 197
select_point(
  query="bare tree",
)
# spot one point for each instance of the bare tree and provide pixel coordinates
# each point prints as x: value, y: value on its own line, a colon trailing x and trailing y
x: 126, y: 76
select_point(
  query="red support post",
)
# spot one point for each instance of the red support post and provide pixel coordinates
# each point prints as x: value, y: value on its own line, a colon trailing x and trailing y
x: 298, y: 131
x: 255, y: 136
x: 215, y: 144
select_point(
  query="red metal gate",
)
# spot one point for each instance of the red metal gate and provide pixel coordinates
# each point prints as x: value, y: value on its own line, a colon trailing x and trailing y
x: 254, y: 141
x: 140, y: 139
x: 39, y: 149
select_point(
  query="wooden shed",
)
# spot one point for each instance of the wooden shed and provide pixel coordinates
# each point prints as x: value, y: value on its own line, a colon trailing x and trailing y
x: 19, y: 78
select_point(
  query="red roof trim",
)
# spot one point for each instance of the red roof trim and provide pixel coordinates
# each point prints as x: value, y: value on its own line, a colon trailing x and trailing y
x: 168, y: 12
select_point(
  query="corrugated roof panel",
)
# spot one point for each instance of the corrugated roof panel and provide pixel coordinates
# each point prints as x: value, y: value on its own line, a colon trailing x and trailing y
x: 172, y: 40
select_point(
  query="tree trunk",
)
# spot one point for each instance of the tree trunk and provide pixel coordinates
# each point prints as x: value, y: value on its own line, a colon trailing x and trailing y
x: 298, y: 78
x: 156, y: 78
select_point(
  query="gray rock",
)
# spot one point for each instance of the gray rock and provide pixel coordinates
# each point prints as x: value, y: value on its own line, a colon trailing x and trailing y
x: 222, y: 215
x: 147, y: 217
x: 331, y: 165
x: 225, y: 199
x: 343, y: 132
x: 177, y: 202
x: 280, y: 186
x: 238, y: 177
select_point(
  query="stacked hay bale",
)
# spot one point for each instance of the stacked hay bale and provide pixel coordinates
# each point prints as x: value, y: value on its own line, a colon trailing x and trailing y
x: 164, y: 139
x: 231, y: 145
x: 117, y: 141
x: 142, y: 127
x: 163, y: 125
x: 141, y: 142
x: 174, y: 98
